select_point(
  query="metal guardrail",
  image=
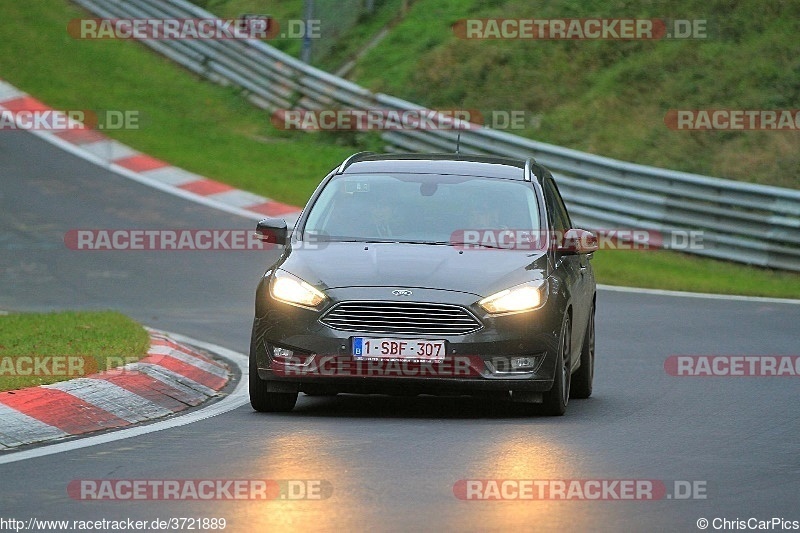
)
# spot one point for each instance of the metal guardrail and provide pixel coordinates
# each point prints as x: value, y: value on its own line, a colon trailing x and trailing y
x: 742, y: 222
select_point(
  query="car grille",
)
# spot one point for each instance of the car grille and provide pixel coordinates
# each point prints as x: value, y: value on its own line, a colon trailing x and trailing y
x: 401, y: 318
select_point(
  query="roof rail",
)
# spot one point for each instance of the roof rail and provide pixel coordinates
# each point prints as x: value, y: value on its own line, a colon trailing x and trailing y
x: 352, y: 159
x: 528, y: 172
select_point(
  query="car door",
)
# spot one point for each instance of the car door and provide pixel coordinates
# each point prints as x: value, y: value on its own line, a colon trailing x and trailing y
x: 573, y: 270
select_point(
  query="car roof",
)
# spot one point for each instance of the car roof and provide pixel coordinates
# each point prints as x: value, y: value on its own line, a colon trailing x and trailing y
x: 454, y: 164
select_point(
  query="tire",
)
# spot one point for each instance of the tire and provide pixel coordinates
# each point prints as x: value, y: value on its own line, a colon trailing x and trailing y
x: 554, y: 401
x: 268, y: 402
x: 582, y: 379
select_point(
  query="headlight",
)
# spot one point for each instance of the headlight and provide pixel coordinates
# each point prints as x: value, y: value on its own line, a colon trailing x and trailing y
x: 519, y: 299
x: 293, y: 290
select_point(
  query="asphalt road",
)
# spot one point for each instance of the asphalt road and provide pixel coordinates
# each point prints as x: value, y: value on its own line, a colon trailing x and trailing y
x: 393, y: 462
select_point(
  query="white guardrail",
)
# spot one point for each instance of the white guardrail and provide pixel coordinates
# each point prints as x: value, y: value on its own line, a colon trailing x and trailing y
x: 742, y: 222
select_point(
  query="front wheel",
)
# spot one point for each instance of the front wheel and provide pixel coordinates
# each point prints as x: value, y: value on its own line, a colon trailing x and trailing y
x: 264, y: 401
x: 556, y: 399
x: 582, y: 380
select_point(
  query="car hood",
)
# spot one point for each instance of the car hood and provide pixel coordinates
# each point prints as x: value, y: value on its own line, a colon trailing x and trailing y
x: 480, y: 272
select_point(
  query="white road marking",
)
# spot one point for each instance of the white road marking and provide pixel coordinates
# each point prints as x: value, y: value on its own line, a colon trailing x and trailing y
x: 8, y: 92
x: 112, y: 398
x: 174, y: 380
x: 20, y: 424
x: 109, y: 149
x: 173, y: 176
x: 238, y: 198
x: 189, y: 360
x: 707, y: 296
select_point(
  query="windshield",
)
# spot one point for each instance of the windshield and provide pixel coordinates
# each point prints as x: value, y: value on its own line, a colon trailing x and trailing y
x: 426, y: 208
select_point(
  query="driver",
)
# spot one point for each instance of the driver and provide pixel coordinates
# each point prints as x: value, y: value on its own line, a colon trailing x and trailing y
x: 382, y: 214
x: 482, y: 217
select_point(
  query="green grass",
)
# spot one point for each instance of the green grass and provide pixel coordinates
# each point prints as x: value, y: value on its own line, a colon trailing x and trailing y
x: 676, y: 271
x: 214, y: 131
x: 106, y: 339
x: 610, y: 97
x: 349, y: 42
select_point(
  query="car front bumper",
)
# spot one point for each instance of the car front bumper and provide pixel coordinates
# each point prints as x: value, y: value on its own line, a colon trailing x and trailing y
x: 295, y: 352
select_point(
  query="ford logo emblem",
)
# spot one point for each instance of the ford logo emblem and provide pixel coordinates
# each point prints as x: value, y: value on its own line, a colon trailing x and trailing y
x: 402, y: 292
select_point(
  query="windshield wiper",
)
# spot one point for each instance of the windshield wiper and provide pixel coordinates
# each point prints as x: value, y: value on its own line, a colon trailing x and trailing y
x: 365, y: 241
x: 428, y: 243
x: 468, y: 244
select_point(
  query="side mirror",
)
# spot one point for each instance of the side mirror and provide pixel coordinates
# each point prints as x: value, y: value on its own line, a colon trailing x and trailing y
x: 272, y: 230
x: 576, y: 241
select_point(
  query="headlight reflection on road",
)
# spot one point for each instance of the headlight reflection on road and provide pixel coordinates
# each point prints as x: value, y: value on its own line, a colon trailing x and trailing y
x: 524, y: 454
x: 314, y: 481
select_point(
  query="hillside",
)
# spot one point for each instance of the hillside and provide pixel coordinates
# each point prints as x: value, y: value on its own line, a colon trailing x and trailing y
x: 605, y: 97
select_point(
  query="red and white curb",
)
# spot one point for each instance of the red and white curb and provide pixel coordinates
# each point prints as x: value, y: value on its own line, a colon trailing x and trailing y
x: 94, y: 146
x: 171, y: 378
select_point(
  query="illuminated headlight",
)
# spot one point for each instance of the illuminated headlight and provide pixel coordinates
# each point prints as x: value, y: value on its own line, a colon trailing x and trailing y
x: 519, y: 299
x: 293, y: 290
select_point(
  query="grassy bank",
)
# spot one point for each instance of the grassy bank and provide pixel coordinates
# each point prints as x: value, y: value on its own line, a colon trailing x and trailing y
x: 39, y: 349
x: 610, y: 97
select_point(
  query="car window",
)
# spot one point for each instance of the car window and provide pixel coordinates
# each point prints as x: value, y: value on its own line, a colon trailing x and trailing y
x: 426, y: 207
x: 559, y: 216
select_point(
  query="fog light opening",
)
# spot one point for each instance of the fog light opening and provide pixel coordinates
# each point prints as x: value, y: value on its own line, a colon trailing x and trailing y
x: 523, y: 363
x: 287, y: 357
x: 282, y: 353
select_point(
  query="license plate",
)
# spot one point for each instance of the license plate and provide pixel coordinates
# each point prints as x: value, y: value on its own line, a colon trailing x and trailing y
x: 383, y: 348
